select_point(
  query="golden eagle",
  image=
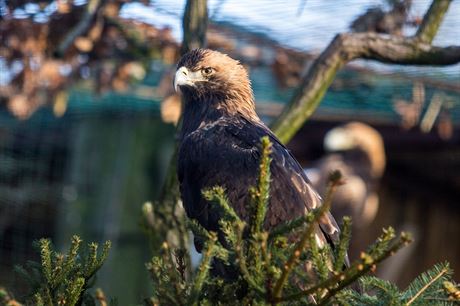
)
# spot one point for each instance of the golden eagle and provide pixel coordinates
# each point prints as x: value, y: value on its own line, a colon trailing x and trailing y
x: 357, y: 150
x: 220, y: 146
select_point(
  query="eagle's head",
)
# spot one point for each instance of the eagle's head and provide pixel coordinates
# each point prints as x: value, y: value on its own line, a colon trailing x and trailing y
x: 210, y: 79
x: 361, y: 137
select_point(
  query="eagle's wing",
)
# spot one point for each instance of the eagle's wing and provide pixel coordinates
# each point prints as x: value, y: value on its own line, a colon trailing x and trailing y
x: 299, y: 179
x: 227, y: 153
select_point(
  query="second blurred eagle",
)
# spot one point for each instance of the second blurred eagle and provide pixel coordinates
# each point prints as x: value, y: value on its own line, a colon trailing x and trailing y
x: 357, y: 150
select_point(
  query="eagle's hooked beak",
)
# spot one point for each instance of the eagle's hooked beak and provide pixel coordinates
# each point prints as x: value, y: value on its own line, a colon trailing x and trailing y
x: 183, y: 77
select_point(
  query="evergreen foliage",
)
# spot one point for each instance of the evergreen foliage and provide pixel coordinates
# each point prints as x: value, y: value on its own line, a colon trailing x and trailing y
x: 285, y: 265
x: 282, y: 266
x: 427, y: 289
x: 63, y: 279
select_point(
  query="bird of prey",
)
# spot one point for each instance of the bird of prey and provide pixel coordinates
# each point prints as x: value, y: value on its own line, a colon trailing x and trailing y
x: 220, y: 146
x: 357, y: 150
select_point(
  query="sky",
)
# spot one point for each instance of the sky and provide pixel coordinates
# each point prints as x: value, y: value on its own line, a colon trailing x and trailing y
x: 310, y: 28
x: 306, y: 25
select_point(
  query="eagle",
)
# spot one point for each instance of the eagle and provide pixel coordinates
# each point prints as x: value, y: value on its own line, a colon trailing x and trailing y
x: 358, y: 151
x: 219, y: 145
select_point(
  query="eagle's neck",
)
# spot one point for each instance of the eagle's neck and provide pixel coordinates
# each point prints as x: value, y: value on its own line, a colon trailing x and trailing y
x: 201, y: 111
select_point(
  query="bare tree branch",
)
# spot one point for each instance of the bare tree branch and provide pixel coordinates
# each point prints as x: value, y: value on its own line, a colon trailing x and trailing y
x: 81, y: 27
x: 349, y: 46
x: 195, y: 24
x: 432, y: 20
x: 396, y: 50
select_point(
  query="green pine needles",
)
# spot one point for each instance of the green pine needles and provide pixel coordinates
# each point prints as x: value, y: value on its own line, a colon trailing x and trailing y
x: 63, y: 279
x: 285, y: 265
x: 282, y: 266
x: 430, y: 288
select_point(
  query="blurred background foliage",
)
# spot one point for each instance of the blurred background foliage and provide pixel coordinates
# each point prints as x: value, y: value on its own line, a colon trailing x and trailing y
x: 87, y: 114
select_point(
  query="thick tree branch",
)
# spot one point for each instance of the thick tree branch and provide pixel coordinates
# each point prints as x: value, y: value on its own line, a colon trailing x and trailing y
x: 432, y: 20
x: 194, y: 24
x: 81, y: 27
x: 396, y: 50
x: 347, y: 47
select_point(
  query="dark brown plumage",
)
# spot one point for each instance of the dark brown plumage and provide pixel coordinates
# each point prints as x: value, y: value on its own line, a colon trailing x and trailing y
x: 220, y: 146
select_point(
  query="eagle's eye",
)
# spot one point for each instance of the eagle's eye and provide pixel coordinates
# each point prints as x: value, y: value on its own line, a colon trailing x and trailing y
x: 207, y: 70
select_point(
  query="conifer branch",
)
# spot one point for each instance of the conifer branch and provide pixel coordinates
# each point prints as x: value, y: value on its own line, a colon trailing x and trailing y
x: 300, y: 246
x: 257, y: 206
x: 452, y: 290
x: 342, y: 248
x: 74, y: 291
x: 426, y: 286
x: 339, y: 281
x: 45, y: 254
x: 368, y: 263
x: 241, y: 259
x: 197, y: 229
x: 261, y: 192
x: 63, y: 279
x: 317, y: 258
x: 312, y: 218
x: 262, y: 243
x: 203, y: 269
x: 287, y: 227
x: 38, y: 300
x: 217, y: 195
x: 174, y: 276
x: 228, y: 228
x: 91, y: 258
